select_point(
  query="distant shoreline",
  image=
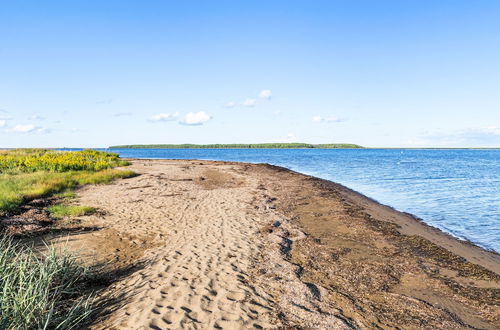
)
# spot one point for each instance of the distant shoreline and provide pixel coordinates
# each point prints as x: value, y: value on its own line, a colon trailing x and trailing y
x: 257, y: 146
x: 241, y: 146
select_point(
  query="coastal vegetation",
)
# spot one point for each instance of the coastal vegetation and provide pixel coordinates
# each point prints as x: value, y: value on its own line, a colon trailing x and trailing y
x: 33, y: 160
x: 41, y: 291
x: 47, y: 290
x: 62, y: 210
x: 241, y: 146
x: 27, y: 174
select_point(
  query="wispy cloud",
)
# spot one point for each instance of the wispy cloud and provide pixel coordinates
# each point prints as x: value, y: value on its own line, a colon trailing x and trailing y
x: 290, y: 137
x: 265, y: 94
x: 4, y: 114
x: 488, y: 136
x: 195, y: 118
x: 122, y: 114
x: 327, y: 119
x: 164, y: 117
x: 249, y: 103
x: 23, y: 128
x: 35, y: 117
x: 3, y: 123
x: 44, y: 130
x: 230, y: 105
x: 29, y: 128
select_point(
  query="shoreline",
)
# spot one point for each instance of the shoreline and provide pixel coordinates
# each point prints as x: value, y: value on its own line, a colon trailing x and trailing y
x: 238, y: 245
x: 428, y: 227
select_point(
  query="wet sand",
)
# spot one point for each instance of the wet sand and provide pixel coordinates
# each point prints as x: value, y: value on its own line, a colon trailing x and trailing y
x: 233, y: 245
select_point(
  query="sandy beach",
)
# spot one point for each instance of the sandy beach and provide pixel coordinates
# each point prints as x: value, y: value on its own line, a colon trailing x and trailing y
x: 203, y: 244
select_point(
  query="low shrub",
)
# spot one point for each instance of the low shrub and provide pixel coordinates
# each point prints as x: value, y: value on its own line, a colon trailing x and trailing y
x: 32, y: 160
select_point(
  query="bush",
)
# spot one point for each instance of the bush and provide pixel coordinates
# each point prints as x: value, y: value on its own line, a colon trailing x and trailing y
x: 32, y: 160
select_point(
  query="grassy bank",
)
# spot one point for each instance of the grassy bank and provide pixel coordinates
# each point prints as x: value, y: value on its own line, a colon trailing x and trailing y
x: 242, y: 146
x: 28, y: 174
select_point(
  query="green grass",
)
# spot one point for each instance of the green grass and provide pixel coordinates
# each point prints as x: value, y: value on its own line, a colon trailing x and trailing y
x: 41, y: 292
x: 62, y: 210
x: 16, y: 189
x: 242, y: 146
x: 67, y: 194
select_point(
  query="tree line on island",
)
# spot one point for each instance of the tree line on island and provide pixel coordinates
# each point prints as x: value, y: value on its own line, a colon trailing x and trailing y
x: 241, y: 146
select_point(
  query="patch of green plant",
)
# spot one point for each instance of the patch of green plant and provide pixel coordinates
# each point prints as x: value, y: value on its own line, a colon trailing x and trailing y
x: 68, y: 194
x: 61, y: 210
x: 41, y: 291
x: 16, y: 189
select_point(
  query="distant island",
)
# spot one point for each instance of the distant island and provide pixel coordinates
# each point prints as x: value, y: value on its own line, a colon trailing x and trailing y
x: 241, y: 146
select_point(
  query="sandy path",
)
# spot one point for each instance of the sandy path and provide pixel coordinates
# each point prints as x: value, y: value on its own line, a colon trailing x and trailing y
x: 197, y: 276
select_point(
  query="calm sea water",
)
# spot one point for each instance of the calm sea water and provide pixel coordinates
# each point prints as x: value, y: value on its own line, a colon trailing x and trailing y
x: 457, y: 191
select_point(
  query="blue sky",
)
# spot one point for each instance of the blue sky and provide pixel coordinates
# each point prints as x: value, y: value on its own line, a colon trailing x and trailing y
x: 377, y: 73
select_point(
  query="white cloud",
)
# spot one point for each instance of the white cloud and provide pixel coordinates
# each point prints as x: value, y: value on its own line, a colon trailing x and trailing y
x: 249, y: 103
x: 122, y: 114
x: 289, y: 138
x: 4, y: 114
x: 495, y: 130
x: 230, y: 105
x: 35, y: 117
x: 265, y: 94
x: 3, y: 123
x: 164, y: 117
x: 329, y: 119
x: 24, y: 128
x: 43, y: 130
x: 469, y: 137
x: 195, y: 118
x: 29, y: 128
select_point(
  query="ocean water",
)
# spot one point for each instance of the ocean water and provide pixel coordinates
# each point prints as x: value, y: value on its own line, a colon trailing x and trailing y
x: 457, y: 191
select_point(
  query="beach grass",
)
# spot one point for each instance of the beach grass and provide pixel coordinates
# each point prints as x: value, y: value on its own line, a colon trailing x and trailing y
x: 41, y: 291
x: 66, y: 195
x: 16, y: 189
x: 62, y: 210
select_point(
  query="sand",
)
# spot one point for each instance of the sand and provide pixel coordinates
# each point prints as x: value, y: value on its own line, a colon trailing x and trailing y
x: 203, y: 245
